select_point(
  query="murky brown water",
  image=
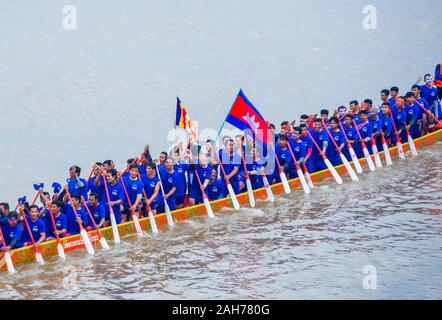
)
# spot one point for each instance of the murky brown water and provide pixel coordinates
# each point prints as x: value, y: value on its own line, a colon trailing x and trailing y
x: 301, y: 247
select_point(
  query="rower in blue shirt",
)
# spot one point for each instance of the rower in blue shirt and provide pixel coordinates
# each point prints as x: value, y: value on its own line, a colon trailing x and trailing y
x: 387, y: 122
x: 72, y: 222
x: 399, y: 117
x: 151, y: 186
x: 231, y: 162
x: 214, y: 190
x: 376, y: 124
x: 96, y: 182
x: 299, y: 151
x: 36, y: 226
x: 351, y: 133
x: 284, y: 156
x: 97, y: 211
x: 204, y: 172
x: 169, y: 180
x: 331, y: 152
x: 59, y: 219
x: 394, y: 94
x: 366, y: 131
x: 321, y: 139
x: 308, y: 142
x: 181, y: 168
x: 412, y: 113
x: 116, y: 196
x: 75, y: 183
x: 134, y: 188
x: 12, y: 231
x: 422, y: 115
x: 429, y: 92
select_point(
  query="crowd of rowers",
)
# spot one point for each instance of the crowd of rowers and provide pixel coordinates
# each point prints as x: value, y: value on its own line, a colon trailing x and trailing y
x: 147, y: 183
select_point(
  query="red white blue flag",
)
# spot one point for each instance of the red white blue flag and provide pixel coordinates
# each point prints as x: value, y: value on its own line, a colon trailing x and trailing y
x: 247, y: 118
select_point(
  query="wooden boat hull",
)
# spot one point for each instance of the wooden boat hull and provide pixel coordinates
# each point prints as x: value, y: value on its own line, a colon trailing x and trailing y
x: 27, y: 254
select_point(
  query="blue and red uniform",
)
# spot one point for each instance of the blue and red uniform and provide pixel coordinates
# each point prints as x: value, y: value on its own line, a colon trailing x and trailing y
x: 431, y: 95
x: 195, y: 188
x: 255, y: 179
x: 97, y: 213
x: 399, y: 118
x: 387, y: 126
x: 116, y: 193
x: 61, y: 223
x: 412, y: 114
x: 74, y: 188
x: 377, y: 126
x: 169, y: 181
x: 37, y: 227
x: 366, y: 131
x: 98, y: 189
x: 229, y: 163
x: 134, y: 188
x: 438, y: 78
x: 352, y: 135
x: 214, y: 190
x: 320, y: 138
x: 309, y: 149
x: 72, y: 224
x: 13, y: 234
x: 299, y: 151
x: 284, y: 159
x: 181, y: 170
x: 149, y: 188
x: 331, y: 152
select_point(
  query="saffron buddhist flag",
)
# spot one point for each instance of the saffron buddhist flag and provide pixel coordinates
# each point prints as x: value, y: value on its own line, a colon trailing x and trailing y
x: 244, y: 116
x: 182, y: 120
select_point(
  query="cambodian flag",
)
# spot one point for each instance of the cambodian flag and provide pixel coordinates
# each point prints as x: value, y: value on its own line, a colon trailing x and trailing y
x: 244, y: 116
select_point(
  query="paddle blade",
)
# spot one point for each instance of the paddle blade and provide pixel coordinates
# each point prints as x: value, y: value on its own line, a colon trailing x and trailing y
x: 355, y: 160
x: 114, y: 228
x: 369, y: 159
x: 387, y: 154
x: 168, y: 215
x: 60, y: 251
x: 270, y: 196
x: 9, y: 262
x: 412, y: 146
x: 349, y: 168
x: 377, y: 158
x: 87, y: 242
x: 39, y: 258
x: 250, y: 193
x: 37, y: 186
x: 309, y: 179
x: 233, y: 196
x: 104, y: 244
x: 303, y: 181
x: 208, y: 208
x: 285, y: 183
x: 333, y: 171
x: 137, y: 225
x: 153, y: 223
x: 400, y: 150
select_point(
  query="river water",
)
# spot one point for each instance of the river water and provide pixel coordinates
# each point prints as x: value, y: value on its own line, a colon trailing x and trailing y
x: 108, y: 88
x: 302, y: 247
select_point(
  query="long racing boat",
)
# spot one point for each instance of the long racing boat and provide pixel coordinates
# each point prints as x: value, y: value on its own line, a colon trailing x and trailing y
x: 75, y: 242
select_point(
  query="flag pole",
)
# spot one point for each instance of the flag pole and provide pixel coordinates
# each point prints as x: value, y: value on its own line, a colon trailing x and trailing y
x: 224, y: 121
